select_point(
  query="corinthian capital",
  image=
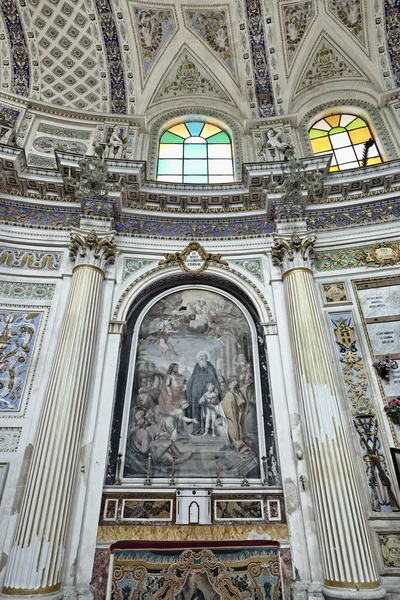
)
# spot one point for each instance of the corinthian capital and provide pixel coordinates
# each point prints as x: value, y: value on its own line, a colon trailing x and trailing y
x: 92, y: 249
x: 294, y: 253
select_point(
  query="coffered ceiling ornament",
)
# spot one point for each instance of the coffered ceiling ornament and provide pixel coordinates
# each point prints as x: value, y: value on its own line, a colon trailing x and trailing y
x: 351, y: 14
x: 214, y: 28
x: 296, y: 19
x: 187, y: 77
x: 327, y: 62
x: 154, y: 28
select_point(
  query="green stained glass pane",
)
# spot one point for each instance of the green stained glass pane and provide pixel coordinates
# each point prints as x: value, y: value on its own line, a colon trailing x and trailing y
x: 195, y: 167
x: 194, y: 128
x: 195, y: 179
x: 356, y: 124
x: 171, y: 138
x: 169, y: 166
x: 316, y: 133
x: 336, y: 130
x: 219, y: 138
x: 195, y: 151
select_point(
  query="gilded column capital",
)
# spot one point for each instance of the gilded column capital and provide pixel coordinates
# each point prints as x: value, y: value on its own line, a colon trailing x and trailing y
x: 294, y: 253
x: 92, y: 249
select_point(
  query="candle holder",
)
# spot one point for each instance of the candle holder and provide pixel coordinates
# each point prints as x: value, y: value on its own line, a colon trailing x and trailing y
x: 244, y: 483
x: 148, y: 480
x: 218, y: 472
x: 264, y: 460
x: 118, y: 470
x: 172, y: 480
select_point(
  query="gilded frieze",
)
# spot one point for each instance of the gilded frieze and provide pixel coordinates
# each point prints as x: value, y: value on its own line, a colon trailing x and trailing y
x: 376, y: 255
x: 22, y: 258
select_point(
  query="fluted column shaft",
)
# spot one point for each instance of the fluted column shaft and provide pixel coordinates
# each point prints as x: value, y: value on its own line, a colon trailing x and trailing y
x: 38, y: 551
x: 345, y: 547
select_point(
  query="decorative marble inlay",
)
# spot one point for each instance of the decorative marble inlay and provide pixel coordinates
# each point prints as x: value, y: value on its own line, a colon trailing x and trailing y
x: 70, y: 71
x: 48, y: 145
x: 9, y: 437
x: 19, y: 49
x: 18, y: 332
x: 188, y: 78
x: 325, y: 63
x: 133, y: 265
x: 114, y: 58
x: 251, y: 265
x: 22, y: 258
x: 351, y: 14
x: 392, y: 11
x: 24, y: 291
x: 45, y: 162
x: 258, y: 47
x: 296, y: 17
x: 363, y: 414
x: 211, y: 25
x: 390, y: 548
x: 65, y: 132
x: 154, y: 27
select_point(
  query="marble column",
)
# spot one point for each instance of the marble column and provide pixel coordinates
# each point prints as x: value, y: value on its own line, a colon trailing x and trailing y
x: 348, y: 563
x: 36, y: 559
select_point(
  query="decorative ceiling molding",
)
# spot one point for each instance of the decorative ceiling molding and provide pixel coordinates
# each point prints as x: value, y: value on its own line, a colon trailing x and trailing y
x: 326, y: 63
x: 19, y: 50
x: 295, y: 20
x: 392, y: 22
x: 264, y: 94
x: 188, y: 77
x: 5, y: 56
x: 351, y: 14
x: 154, y: 27
x: 212, y: 27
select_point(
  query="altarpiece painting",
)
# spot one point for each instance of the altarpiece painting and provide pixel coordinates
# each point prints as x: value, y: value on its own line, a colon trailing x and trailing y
x: 193, y: 391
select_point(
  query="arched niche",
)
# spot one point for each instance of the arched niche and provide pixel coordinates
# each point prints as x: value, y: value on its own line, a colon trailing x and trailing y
x: 161, y: 386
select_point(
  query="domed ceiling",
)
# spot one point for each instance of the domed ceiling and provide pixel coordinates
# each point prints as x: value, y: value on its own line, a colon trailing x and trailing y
x: 260, y: 58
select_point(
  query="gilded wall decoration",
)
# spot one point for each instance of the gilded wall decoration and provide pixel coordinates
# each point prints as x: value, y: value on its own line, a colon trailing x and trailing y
x: 351, y: 14
x: 28, y: 215
x: 335, y: 292
x: 390, y: 548
x: 392, y: 20
x: 193, y: 259
x: 217, y: 572
x: 188, y: 78
x: 132, y: 265
x: 19, y: 49
x: 296, y: 18
x: 18, y: 333
x: 252, y: 266
x: 9, y: 436
x: 193, y: 395
x: 363, y: 414
x: 325, y: 63
x: 212, y: 26
x: 377, y: 255
x: 25, y: 291
x: 153, y: 27
x: 22, y: 258
x: 384, y: 212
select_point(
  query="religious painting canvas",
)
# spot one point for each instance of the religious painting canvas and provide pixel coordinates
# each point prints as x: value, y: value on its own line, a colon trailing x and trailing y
x: 193, y: 396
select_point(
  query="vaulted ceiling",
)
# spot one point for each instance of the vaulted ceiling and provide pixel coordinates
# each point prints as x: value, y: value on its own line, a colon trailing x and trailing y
x: 258, y: 58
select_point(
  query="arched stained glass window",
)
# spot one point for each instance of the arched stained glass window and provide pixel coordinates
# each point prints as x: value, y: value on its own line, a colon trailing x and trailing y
x: 348, y: 138
x: 195, y: 152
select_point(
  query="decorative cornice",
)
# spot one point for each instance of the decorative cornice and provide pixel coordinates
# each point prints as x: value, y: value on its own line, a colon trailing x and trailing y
x: 92, y: 249
x: 295, y: 253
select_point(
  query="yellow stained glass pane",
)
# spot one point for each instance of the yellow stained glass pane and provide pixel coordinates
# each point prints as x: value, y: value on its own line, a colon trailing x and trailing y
x: 334, y: 120
x: 334, y: 168
x: 321, y: 144
x: 209, y: 129
x: 358, y: 136
x: 375, y: 160
x: 171, y: 151
x: 181, y: 130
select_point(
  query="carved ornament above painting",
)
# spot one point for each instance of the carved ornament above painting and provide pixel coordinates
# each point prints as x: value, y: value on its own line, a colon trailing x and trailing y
x: 194, y: 259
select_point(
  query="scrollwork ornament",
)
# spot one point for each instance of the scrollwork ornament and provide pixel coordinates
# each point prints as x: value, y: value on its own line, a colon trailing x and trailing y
x: 297, y: 252
x: 93, y: 250
x: 193, y: 259
x: 384, y: 254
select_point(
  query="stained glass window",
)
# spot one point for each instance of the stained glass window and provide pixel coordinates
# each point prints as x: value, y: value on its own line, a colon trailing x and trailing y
x: 195, y: 152
x: 348, y: 138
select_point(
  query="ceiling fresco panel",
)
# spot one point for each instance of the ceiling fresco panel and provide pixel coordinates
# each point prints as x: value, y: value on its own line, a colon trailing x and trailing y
x: 351, y: 14
x: 295, y: 19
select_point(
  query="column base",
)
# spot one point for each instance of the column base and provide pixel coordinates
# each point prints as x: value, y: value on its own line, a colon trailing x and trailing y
x: 351, y: 593
x: 304, y: 590
x: 52, y: 596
